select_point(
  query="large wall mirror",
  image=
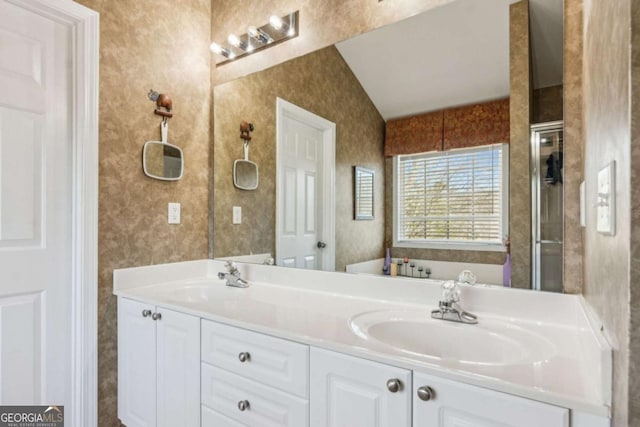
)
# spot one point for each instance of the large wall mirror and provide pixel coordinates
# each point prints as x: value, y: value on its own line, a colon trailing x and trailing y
x: 436, y: 66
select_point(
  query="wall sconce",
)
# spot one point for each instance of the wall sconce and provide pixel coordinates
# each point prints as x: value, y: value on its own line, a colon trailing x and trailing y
x: 278, y: 30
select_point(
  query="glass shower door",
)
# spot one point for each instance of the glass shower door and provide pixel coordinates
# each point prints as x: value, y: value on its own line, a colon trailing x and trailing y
x: 548, y: 206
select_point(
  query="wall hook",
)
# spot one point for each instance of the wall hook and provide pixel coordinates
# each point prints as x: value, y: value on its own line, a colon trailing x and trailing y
x: 245, y: 131
x: 163, y: 104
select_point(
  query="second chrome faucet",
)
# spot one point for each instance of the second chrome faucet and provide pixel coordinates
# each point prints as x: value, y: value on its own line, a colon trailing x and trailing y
x: 449, y: 305
x: 232, y: 276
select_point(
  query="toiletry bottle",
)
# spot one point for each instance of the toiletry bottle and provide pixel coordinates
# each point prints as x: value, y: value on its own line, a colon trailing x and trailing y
x: 506, y: 268
x: 387, y: 263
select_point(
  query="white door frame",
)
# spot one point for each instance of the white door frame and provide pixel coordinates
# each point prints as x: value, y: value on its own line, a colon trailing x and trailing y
x: 328, y: 217
x: 84, y: 25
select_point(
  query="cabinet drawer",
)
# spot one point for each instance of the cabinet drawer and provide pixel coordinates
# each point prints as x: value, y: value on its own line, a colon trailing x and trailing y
x: 222, y: 391
x: 211, y: 418
x: 272, y: 361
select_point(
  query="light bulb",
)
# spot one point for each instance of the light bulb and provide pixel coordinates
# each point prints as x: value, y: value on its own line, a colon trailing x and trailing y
x: 233, y: 40
x: 276, y: 22
x: 216, y: 48
x: 291, y: 32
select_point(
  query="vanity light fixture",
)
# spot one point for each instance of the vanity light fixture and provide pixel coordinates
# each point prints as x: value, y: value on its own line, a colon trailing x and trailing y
x: 223, y: 51
x: 279, y: 25
x: 236, y: 42
x: 277, y: 30
x: 259, y: 35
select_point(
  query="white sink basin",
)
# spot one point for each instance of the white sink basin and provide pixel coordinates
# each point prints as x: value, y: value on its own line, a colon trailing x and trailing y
x: 490, y: 342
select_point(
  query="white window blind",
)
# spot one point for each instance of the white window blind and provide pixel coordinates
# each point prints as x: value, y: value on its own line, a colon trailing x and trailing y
x: 457, y: 196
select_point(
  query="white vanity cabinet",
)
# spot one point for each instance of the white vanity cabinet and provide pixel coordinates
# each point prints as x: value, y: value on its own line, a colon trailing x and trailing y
x: 252, y: 379
x: 347, y: 391
x: 176, y: 369
x: 440, y: 402
x: 158, y: 366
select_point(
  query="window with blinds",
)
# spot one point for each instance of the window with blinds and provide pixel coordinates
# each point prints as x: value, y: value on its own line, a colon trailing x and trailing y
x: 458, y: 197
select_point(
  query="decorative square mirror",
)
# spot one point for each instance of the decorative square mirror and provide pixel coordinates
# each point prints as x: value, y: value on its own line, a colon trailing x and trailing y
x: 362, y: 193
x: 162, y: 161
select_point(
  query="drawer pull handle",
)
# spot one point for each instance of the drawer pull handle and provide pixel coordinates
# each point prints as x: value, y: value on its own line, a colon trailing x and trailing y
x: 426, y: 393
x: 394, y: 385
x: 244, y: 356
x: 156, y: 316
x: 146, y: 313
x: 243, y: 405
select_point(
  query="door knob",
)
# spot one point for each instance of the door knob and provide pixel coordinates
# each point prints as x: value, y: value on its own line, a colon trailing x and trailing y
x: 146, y: 313
x: 426, y: 393
x: 156, y: 316
x: 243, y: 405
x: 244, y: 356
x: 394, y: 385
x: 321, y: 245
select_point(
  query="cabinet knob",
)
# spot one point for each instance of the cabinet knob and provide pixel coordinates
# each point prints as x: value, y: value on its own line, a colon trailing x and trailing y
x: 146, y: 313
x: 243, y: 405
x: 426, y: 393
x: 156, y: 316
x: 394, y: 385
x: 244, y: 356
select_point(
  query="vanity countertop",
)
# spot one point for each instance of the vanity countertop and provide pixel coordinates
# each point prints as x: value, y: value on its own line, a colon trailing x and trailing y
x: 317, y: 308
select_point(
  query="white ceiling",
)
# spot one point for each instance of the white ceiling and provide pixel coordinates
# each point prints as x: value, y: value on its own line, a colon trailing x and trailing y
x: 455, y: 54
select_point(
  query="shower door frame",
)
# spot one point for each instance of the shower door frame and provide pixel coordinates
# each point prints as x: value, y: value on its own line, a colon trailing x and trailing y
x: 534, y: 172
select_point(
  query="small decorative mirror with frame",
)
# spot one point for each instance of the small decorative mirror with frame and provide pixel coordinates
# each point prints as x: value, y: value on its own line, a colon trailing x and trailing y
x: 362, y: 193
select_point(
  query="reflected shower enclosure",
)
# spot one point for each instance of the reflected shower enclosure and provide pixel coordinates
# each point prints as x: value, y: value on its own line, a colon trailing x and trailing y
x: 547, y: 206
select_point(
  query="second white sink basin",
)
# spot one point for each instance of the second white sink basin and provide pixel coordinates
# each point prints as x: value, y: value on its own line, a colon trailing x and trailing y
x: 490, y: 342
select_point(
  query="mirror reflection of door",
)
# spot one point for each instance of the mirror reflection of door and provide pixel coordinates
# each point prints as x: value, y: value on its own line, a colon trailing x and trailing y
x: 304, y: 189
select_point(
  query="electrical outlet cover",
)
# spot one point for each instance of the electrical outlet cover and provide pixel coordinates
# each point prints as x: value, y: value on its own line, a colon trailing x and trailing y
x: 173, y: 215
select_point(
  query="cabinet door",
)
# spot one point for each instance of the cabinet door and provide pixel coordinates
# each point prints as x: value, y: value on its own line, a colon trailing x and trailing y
x: 136, y: 364
x: 178, y: 369
x: 456, y: 404
x: 348, y: 391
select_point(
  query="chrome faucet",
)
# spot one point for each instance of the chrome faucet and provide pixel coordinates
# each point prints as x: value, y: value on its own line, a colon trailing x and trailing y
x: 450, y: 305
x: 232, y: 276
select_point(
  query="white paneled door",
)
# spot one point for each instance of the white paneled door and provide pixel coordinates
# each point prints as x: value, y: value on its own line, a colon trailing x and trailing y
x: 35, y: 207
x: 305, y: 189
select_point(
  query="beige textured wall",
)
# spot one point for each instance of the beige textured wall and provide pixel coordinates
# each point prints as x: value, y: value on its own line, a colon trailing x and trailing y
x: 322, y: 23
x: 573, y: 145
x: 320, y: 82
x: 519, y: 147
x: 144, y: 44
x: 607, y: 138
x: 546, y: 104
x: 634, y: 258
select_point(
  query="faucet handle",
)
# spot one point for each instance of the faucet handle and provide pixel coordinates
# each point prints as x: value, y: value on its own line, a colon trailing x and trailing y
x: 231, y: 266
x: 450, y: 291
x: 466, y: 276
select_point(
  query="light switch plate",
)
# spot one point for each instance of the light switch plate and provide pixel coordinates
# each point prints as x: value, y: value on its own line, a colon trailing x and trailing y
x: 237, y: 215
x: 606, y: 197
x: 173, y: 216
